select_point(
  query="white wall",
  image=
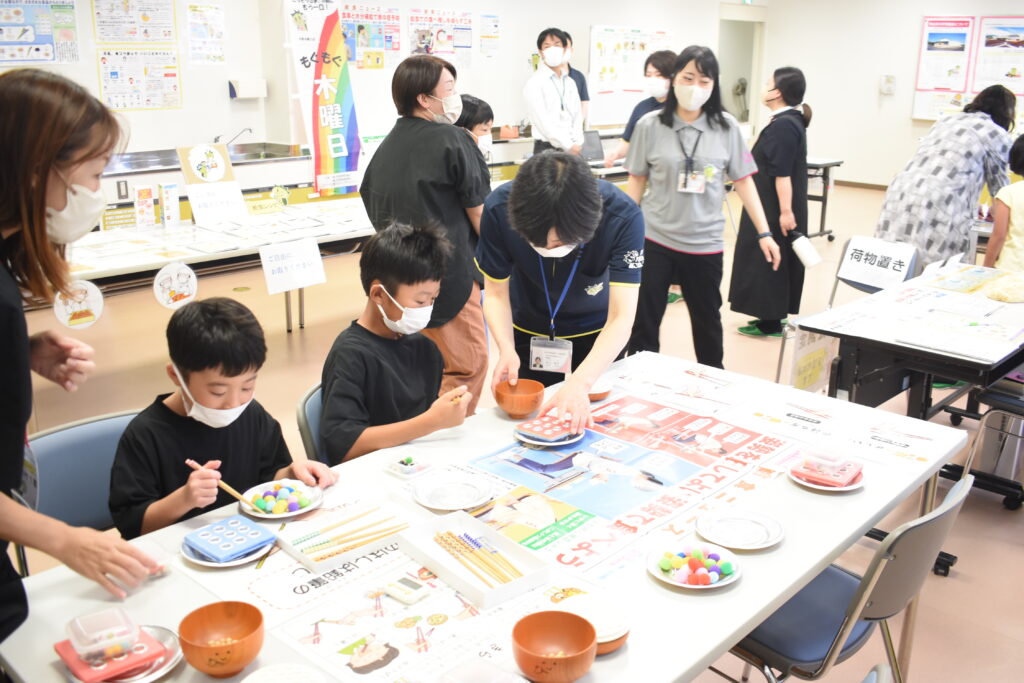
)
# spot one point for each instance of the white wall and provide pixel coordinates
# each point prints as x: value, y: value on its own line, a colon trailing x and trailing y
x: 843, y: 49
x: 207, y: 110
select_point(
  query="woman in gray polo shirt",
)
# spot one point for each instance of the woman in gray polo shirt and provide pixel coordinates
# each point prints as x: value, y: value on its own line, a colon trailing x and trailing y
x: 681, y: 156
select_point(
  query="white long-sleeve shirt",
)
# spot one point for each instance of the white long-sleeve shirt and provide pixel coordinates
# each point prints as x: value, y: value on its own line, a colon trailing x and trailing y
x: 553, y: 105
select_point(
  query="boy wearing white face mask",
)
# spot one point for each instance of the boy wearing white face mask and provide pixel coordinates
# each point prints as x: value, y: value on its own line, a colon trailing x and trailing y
x: 381, y: 379
x: 552, y: 98
x: 216, y: 347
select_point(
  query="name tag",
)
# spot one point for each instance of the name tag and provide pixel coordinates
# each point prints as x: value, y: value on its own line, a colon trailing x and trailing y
x: 550, y: 355
x: 692, y: 183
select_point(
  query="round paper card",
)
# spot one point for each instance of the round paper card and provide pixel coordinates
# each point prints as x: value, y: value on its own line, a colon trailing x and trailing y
x: 207, y: 163
x: 175, y: 285
x: 81, y: 307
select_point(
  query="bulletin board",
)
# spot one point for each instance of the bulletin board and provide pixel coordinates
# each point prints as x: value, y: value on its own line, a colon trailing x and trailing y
x: 959, y: 56
x: 616, y: 78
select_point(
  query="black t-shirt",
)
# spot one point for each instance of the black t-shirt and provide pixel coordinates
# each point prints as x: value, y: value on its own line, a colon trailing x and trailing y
x: 642, y: 108
x: 426, y: 172
x: 150, y: 459
x: 15, y: 410
x: 581, y: 83
x: 370, y: 381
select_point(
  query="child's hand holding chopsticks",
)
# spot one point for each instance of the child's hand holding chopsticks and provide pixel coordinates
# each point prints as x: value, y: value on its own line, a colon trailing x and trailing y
x: 201, y: 487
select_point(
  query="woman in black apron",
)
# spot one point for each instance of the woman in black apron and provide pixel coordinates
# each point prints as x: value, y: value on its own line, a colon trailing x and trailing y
x: 55, y: 140
x: 781, y: 156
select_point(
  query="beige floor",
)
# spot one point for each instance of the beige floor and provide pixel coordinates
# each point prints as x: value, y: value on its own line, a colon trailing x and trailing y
x: 970, y: 626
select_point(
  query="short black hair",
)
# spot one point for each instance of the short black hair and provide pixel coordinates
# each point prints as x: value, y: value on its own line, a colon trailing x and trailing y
x: 417, y: 75
x: 474, y: 112
x: 998, y: 102
x: 554, y: 33
x: 707, y: 64
x: 215, y: 333
x: 1017, y: 156
x: 662, y: 60
x: 401, y: 254
x: 555, y: 190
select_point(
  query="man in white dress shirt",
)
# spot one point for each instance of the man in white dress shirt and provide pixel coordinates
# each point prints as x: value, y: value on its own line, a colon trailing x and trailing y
x: 552, y: 99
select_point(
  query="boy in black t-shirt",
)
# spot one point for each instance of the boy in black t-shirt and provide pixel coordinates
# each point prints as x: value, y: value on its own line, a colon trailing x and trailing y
x: 381, y: 378
x: 216, y: 347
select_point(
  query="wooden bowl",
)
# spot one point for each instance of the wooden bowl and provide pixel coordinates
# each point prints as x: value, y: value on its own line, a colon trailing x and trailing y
x: 554, y: 647
x: 222, y: 638
x: 612, y: 645
x: 520, y: 400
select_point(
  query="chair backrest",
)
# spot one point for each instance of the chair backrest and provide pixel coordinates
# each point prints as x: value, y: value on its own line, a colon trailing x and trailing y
x: 73, y: 464
x: 905, y: 557
x: 308, y: 415
x: 869, y: 264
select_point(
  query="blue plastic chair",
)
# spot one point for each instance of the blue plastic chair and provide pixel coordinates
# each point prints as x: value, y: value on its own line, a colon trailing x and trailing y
x: 71, y: 459
x: 833, y: 616
x: 308, y: 414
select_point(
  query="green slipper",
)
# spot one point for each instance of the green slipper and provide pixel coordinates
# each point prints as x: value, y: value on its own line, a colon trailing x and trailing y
x: 755, y: 331
x: 947, y: 385
x: 673, y: 297
x: 756, y: 321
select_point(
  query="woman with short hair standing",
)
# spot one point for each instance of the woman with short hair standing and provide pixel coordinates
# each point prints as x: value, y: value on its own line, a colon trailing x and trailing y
x: 781, y: 157
x: 55, y: 140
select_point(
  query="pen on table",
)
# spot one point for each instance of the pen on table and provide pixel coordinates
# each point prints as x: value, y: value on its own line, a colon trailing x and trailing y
x: 651, y: 478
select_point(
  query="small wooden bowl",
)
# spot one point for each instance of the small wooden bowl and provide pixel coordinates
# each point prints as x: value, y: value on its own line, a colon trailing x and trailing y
x: 537, y: 637
x: 612, y: 645
x: 222, y: 638
x: 520, y: 400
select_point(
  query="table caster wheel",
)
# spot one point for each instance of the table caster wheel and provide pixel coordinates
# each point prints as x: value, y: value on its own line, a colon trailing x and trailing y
x: 955, y: 419
x: 831, y: 238
x: 1012, y: 502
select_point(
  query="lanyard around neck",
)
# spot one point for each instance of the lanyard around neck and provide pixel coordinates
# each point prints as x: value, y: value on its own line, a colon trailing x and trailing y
x: 565, y: 290
x: 693, y: 151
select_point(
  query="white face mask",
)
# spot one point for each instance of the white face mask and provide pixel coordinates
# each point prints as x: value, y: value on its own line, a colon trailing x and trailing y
x: 555, y: 252
x: 692, y: 97
x: 211, y: 417
x: 80, y: 216
x: 567, y: 56
x: 656, y: 87
x: 484, y: 142
x: 413, y: 319
x: 452, y: 105
x: 553, y: 56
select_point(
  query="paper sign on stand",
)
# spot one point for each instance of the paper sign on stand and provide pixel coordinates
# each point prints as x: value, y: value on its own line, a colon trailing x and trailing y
x: 876, y: 263
x: 170, y: 207
x: 213, y: 192
x: 145, y: 207
x: 812, y: 360
x: 292, y: 265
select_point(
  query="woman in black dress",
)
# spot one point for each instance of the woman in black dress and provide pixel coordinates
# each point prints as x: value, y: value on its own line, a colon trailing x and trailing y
x: 55, y: 140
x: 781, y: 156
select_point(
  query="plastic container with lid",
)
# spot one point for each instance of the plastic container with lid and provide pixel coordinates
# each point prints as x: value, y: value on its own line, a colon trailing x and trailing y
x: 104, y: 634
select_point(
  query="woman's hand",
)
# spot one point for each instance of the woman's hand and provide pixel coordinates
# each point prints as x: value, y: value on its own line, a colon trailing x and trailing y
x: 770, y: 250
x: 62, y: 360
x: 103, y: 557
x: 787, y: 221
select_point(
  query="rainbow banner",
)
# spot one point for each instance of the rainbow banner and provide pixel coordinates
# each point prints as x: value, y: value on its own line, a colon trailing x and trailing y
x: 335, y: 131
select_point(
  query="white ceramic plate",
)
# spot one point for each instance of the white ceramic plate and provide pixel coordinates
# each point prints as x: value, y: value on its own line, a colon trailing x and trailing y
x: 547, y: 444
x: 254, y: 555
x: 315, y: 494
x: 655, y: 570
x: 286, y: 673
x: 739, y: 529
x: 450, y: 491
x: 153, y: 671
x: 857, y: 483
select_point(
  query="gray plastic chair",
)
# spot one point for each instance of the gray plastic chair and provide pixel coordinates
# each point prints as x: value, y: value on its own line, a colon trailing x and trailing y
x: 71, y: 459
x: 308, y: 415
x: 833, y: 616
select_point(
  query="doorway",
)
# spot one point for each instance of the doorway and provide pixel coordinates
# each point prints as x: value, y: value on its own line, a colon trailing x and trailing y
x: 739, y: 57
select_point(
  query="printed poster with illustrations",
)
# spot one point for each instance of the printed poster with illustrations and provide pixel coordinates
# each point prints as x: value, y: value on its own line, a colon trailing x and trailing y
x: 943, y: 63
x: 372, y: 35
x: 134, y: 21
x: 38, y: 32
x: 140, y: 78
x: 616, y: 77
x: 1000, y: 58
x: 445, y: 33
x: 320, y: 57
x: 205, y: 34
x: 213, y: 193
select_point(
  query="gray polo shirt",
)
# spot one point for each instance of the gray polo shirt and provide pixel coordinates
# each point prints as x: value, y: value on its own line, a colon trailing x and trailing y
x: 686, y: 222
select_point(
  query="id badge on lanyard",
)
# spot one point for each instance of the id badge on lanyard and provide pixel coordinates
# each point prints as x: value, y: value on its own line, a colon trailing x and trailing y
x: 691, y: 180
x: 548, y: 354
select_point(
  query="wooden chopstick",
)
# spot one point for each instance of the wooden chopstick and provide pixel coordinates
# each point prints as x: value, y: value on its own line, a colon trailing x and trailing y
x: 314, y: 534
x: 360, y: 544
x: 223, y: 486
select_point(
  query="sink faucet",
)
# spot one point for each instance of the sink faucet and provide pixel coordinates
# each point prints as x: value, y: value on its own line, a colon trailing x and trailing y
x: 237, y: 135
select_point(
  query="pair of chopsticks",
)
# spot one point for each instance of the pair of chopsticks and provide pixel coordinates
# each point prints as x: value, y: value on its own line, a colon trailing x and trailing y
x: 479, y: 557
x: 223, y: 486
x: 364, y: 539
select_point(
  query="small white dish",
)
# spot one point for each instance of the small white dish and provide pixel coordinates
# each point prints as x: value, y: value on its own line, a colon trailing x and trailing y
x: 256, y: 554
x: 548, y: 444
x: 286, y: 673
x: 739, y: 529
x: 451, y: 491
x: 315, y: 495
x: 654, y: 570
x: 858, y: 482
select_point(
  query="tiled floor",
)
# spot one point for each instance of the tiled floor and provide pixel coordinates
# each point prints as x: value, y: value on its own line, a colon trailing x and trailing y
x: 969, y: 626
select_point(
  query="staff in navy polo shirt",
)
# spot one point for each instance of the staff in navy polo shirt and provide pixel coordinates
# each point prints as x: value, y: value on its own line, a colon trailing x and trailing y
x: 561, y: 254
